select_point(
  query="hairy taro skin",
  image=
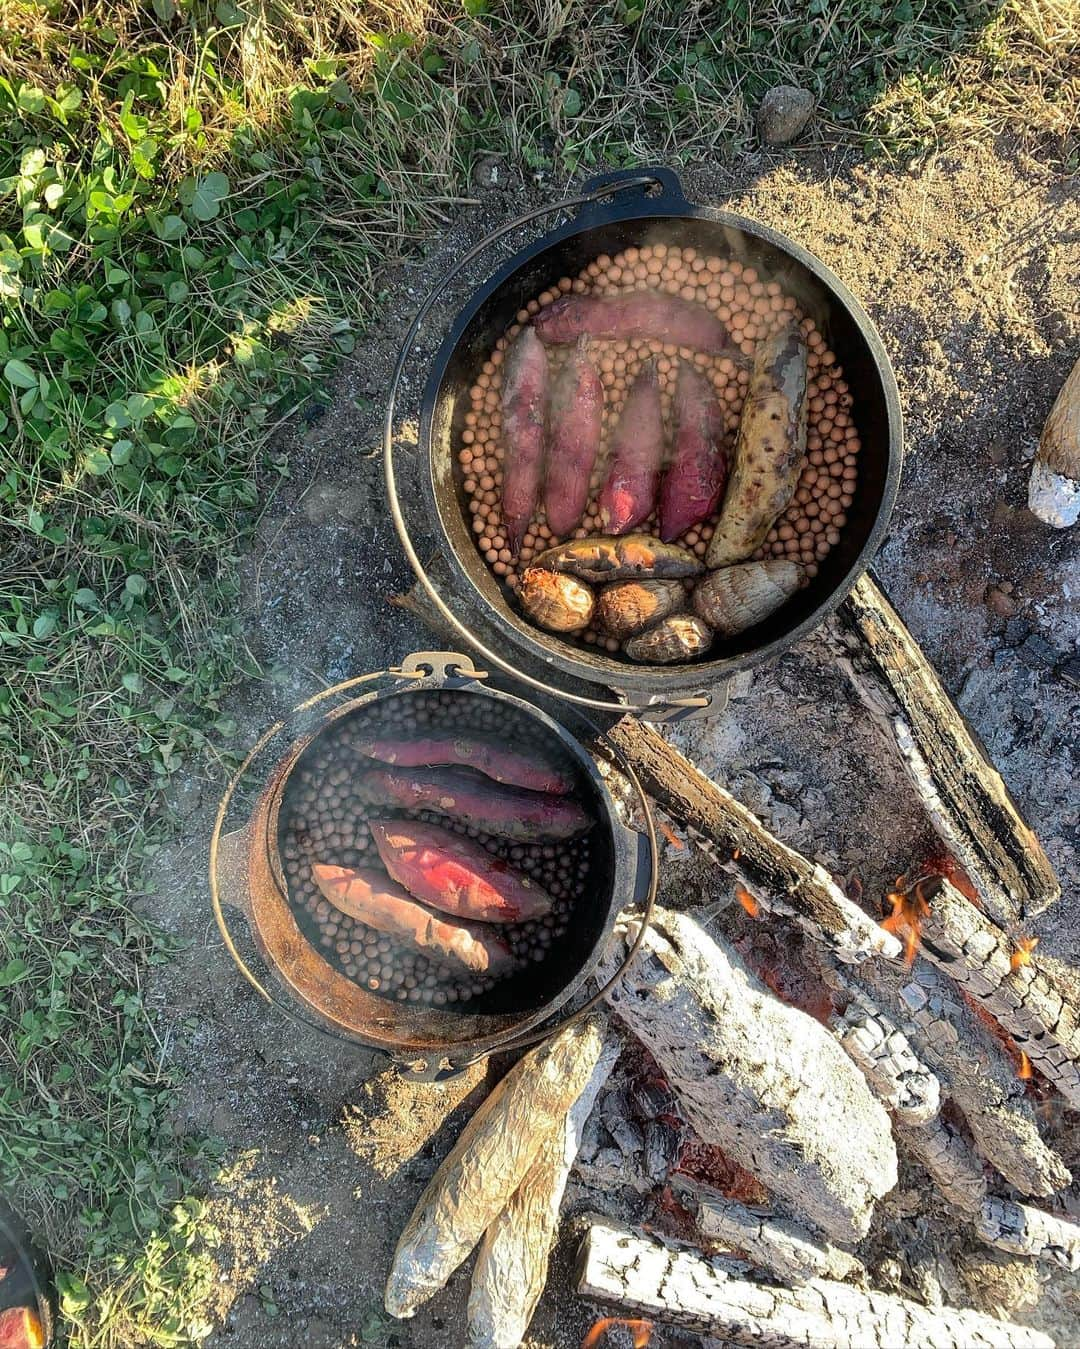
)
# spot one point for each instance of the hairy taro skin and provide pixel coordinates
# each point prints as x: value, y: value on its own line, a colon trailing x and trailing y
x: 555, y: 600
x: 769, y: 449
x: 637, y: 454
x: 638, y: 314
x: 524, y: 408
x: 576, y: 421
x: 697, y: 475
x: 676, y: 638
x: 732, y: 599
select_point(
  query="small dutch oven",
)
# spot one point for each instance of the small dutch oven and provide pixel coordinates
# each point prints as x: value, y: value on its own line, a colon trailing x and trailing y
x: 247, y: 874
x: 616, y: 211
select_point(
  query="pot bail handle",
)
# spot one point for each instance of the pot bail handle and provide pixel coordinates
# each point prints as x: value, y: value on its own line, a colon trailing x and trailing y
x: 633, y: 185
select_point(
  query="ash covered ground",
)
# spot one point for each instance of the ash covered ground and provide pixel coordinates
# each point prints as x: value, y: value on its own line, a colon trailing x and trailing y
x: 968, y: 266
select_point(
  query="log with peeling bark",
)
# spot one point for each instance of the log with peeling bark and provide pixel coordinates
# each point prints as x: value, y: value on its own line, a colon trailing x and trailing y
x: 1032, y: 999
x: 903, y: 1083
x: 953, y: 1165
x: 512, y: 1263
x: 1023, y: 1230
x: 960, y: 789
x: 974, y: 1069
x: 709, y: 1295
x: 777, y: 1245
x: 761, y: 1079
x: 490, y: 1160
x: 781, y: 879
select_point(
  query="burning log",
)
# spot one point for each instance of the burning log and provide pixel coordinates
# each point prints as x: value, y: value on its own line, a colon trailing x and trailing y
x: 489, y: 1162
x: 618, y: 1265
x: 776, y: 1245
x: 511, y: 1268
x: 761, y: 1079
x: 962, y: 792
x: 905, y: 1086
x: 975, y: 1072
x: 1023, y: 1230
x: 953, y: 1165
x: 782, y: 880
x: 1025, y: 995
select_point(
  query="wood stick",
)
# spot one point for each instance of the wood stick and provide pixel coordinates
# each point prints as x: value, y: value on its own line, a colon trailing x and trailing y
x: 907, y: 1088
x: 777, y: 1245
x: 781, y: 879
x: 616, y: 1264
x: 511, y: 1266
x: 1035, y: 1002
x: 950, y: 1160
x: 762, y: 1079
x: 490, y: 1160
x: 960, y: 789
x: 974, y: 1070
x: 1023, y: 1230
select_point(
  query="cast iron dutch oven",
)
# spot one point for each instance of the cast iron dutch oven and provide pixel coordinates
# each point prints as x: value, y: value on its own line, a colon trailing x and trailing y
x: 616, y: 211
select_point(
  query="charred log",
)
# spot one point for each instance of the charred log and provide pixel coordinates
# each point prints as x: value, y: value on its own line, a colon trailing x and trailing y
x: 763, y: 1080
x: 950, y: 1160
x: 1024, y: 1230
x: 618, y: 1265
x: 961, y: 790
x: 877, y: 1045
x: 781, y: 879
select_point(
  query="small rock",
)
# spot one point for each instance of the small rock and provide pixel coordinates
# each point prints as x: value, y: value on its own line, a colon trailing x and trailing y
x: 783, y: 114
x: 1037, y: 653
x: 489, y: 171
x: 1070, y: 671
x: 1015, y: 631
x: 1000, y: 601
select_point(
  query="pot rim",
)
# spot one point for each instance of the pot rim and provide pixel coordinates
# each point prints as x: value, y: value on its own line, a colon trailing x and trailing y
x: 571, y: 661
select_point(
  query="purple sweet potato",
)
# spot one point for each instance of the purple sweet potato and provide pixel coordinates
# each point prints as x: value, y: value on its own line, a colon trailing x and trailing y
x: 524, y: 415
x: 637, y: 314
x: 374, y: 900
x: 576, y: 420
x: 697, y: 475
x: 455, y: 875
x: 637, y: 453
x: 506, y: 812
x: 533, y: 769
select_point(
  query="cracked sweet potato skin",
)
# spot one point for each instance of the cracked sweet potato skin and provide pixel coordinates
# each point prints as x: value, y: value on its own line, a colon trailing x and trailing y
x: 576, y: 421
x: 697, y: 475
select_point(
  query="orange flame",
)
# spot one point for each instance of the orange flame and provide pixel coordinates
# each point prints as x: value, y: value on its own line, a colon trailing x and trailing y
x: 1022, y: 953
x: 909, y: 908
x: 1024, y: 1072
x: 747, y: 900
x: 640, y: 1330
x: 736, y: 853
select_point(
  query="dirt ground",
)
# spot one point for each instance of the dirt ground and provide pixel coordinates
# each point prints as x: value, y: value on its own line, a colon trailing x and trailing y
x: 968, y: 264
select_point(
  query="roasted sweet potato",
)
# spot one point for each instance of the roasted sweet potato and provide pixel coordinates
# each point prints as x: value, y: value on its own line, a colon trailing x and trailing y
x: 637, y: 454
x: 575, y: 422
x: 534, y: 769
x: 633, y: 556
x: 697, y: 475
x: 524, y: 409
x: 650, y: 314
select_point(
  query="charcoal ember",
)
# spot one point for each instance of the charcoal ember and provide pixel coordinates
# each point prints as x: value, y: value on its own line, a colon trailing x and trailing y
x: 661, y: 1150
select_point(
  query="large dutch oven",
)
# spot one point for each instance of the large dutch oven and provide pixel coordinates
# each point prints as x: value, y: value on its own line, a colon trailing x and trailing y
x: 247, y: 875
x: 616, y: 211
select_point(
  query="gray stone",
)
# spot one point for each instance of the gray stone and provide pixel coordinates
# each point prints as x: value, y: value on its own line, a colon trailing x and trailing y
x: 783, y: 113
x: 1038, y: 653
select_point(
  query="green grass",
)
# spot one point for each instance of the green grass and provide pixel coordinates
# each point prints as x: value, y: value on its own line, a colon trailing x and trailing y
x: 194, y: 202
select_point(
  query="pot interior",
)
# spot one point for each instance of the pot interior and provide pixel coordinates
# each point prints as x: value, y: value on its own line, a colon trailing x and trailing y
x: 875, y: 413
x: 318, y: 817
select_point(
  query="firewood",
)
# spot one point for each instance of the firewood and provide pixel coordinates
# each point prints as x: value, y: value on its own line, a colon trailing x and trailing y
x: 1028, y: 996
x: 1054, y: 489
x: 490, y: 1160
x: 512, y: 1264
x: 975, y: 1071
x: 1023, y: 1230
x: 777, y: 1245
x: 762, y: 1079
x: 904, y: 1085
x: 781, y: 879
x: 951, y: 1161
x: 968, y: 803
x: 619, y: 1265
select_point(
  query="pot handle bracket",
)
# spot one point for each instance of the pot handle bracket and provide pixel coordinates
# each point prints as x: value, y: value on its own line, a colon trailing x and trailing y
x: 633, y: 186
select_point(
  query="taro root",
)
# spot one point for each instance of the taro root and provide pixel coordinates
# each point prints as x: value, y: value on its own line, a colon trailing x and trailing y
x: 769, y: 449
x: 506, y: 812
x: 639, y: 314
x: 621, y: 559
x: 626, y: 608
x: 555, y: 601
x: 456, y: 876
x: 733, y: 599
x: 535, y: 770
x: 695, y: 479
x: 374, y: 900
x: 576, y: 419
x: 637, y: 454
x: 524, y: 405
x: 677, y: 638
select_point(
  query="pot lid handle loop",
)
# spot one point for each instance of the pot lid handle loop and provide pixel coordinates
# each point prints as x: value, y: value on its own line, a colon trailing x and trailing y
x: 671, y: 200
